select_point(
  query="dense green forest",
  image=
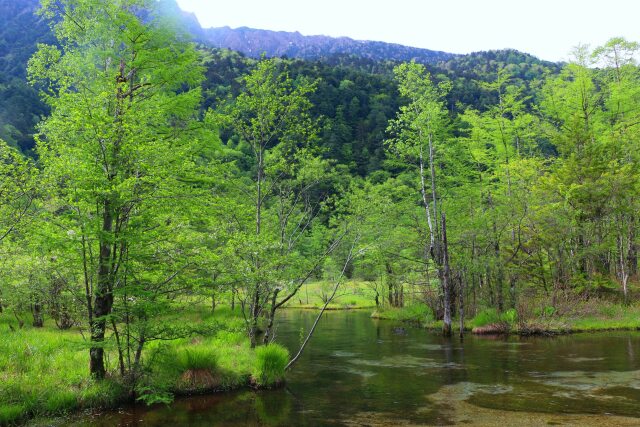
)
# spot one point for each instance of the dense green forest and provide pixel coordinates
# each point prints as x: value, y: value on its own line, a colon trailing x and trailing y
x: 143, y: 175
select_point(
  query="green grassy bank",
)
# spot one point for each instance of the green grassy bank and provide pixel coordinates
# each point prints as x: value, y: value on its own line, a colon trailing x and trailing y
x: 350, y: 296
x: 603, y: 316
x: 45, y: 372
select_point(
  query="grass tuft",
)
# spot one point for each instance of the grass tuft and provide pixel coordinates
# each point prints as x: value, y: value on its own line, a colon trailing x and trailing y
x: 271, y: 361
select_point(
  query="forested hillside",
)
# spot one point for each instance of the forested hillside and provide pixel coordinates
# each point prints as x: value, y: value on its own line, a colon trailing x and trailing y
x: 368, y: 112
x: 155, y: 180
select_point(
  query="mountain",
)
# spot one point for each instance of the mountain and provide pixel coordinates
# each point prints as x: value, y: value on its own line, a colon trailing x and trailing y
x: 357, y: 91
x: 254, y: 42
x: 20, y: 30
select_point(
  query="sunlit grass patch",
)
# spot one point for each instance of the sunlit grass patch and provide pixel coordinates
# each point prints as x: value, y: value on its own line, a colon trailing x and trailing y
x: 419, y: 313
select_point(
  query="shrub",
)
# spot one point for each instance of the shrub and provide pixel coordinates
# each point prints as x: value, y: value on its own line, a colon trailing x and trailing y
x: 270, y: 363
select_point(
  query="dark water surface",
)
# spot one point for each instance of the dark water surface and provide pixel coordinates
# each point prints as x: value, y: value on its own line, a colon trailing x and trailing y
x: 360, y: 371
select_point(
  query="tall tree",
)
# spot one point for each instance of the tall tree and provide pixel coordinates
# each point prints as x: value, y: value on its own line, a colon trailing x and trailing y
x: 123, y: 89
x: 416, y: 131
x: 272, y: 117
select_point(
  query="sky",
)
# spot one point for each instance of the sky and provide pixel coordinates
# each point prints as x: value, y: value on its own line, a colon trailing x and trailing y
x: 548, y: 29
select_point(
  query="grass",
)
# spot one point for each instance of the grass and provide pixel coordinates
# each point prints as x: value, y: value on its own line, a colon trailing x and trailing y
x: 607, y: 317
x: 271, y: 361
x: 418, y: 313
x: 597, y: 315
x: 351, y: 295
x: 45, y: 372
x: 31, y: 361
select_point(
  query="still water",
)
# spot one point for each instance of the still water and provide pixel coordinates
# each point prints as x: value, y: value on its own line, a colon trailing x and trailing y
x: 360, y: 371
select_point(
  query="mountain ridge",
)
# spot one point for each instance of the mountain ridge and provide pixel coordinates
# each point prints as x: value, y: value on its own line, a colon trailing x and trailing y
x: 254, y: 42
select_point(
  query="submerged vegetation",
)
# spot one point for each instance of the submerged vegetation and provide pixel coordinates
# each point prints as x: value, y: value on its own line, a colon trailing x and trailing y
x: 178, y: 198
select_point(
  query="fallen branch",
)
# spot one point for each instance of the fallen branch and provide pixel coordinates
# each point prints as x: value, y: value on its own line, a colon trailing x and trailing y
x: 324, y: 307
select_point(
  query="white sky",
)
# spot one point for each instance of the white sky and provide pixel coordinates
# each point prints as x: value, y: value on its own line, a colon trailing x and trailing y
x: 548, y: 29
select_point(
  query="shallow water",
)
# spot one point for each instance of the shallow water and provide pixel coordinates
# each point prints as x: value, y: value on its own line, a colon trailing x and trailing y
x: 361, y: 371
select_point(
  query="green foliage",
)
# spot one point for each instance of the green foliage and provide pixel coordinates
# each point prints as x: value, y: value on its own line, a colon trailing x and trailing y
x: 137, y: 208
x: 271, y: 361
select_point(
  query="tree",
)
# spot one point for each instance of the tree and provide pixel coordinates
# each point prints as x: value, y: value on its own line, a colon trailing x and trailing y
x: 123, y: 90
x: 279, y: 201
x: 416, y: 130
x: 18, y: 178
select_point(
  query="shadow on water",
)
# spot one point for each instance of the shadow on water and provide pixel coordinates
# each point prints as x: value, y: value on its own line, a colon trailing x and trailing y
x: 362, y: 371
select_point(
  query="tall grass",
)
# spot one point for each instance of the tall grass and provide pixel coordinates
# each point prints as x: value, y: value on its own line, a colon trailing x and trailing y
x: 45, y: 372
x: 271, y: 361
x: 490, y: 316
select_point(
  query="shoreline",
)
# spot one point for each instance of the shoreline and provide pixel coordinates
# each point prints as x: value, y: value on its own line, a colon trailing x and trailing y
x: 535, y: 328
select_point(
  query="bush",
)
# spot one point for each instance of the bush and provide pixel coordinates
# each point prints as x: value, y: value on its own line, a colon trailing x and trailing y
x: 271, y: 361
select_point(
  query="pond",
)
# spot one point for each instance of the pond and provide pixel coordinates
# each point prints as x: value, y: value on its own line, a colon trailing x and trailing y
x: 361, y: 371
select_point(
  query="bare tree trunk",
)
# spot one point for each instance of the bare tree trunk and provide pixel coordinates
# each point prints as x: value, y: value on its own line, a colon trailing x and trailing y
x: 624, y: 274
x: 119, y: 344
x: 446, y: 325
x: 632, y: 254
x: 324, y: 307
x: 512, y: 290
x: 272, y: 314
x: 432, y: 170
x: 255, y: 312
x: 425, y: 201
x: 36, y: 310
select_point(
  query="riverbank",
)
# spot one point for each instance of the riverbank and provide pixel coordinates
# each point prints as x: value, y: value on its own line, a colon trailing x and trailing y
x: 584, y: 317
x: 44, y: 371
x: 538, y: 318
